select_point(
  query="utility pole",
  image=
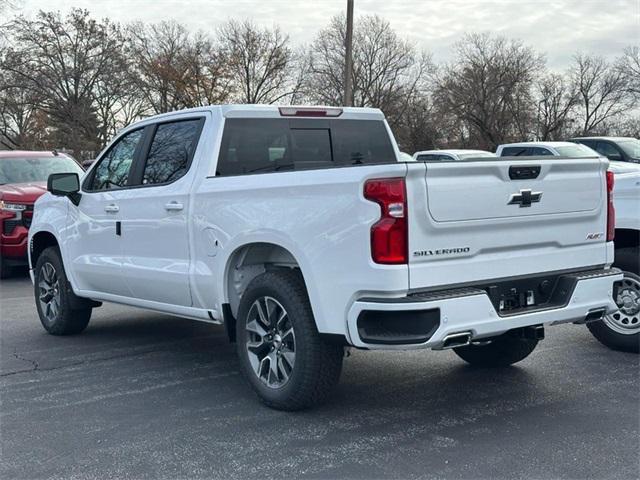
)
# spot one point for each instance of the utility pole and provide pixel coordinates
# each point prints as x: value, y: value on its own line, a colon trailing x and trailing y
x: 348, y: 61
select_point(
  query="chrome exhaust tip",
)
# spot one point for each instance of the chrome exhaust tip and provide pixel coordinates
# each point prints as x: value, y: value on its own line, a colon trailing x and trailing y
x: 593, y: 315
x: 454, y: 340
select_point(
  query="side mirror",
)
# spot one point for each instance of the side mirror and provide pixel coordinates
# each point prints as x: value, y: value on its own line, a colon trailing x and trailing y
x: 65, y: 185
x: 615, y: 156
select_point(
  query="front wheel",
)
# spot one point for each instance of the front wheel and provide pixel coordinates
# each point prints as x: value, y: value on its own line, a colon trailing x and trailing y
x: 621, y: 330
x: 501, y: 351
x: 283, y: 357
x: 54, y: 296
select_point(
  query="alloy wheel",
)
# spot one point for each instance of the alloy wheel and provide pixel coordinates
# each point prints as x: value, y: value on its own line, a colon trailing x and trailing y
x: 271, y: 342
x: 49, y: 292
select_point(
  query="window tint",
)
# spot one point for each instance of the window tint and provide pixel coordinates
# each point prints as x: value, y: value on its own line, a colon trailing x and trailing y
x: 171, y: 150
x: 113, y: 169
x: 254, y: 145
x: 428, y: 157
x: 608, y: 150
x: 515, y: 152
x: 358, y: 142
x: 539, y: 151
x: 311, y: 147
x: 269, y: 145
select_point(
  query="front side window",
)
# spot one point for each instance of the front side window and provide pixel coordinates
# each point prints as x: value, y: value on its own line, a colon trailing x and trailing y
x: 171, y: 150
x: 114, y: 168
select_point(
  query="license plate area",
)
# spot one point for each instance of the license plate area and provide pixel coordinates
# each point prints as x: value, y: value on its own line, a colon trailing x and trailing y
x: 514, y: 296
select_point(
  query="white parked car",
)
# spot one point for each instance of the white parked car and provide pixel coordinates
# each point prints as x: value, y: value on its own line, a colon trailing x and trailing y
x: 300, y: 231
x: 620, y: 330
x: 449, y: 155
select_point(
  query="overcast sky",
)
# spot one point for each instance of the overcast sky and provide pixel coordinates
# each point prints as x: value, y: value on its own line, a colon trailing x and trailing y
x: 556, y: 27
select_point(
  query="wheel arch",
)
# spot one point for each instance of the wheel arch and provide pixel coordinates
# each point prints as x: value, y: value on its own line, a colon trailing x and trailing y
x: 626, y: 237
x: 245, y: 263
x: 39, y: 242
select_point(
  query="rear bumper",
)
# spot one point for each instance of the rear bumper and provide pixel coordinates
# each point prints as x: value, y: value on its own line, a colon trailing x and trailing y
x: 470, y: 310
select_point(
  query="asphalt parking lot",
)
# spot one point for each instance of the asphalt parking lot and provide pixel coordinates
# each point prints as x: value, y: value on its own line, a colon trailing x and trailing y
x: 142, y: 395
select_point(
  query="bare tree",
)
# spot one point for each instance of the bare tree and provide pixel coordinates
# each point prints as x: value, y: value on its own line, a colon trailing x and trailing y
x: 388, y: 73
x: 175, y: 69
x: 602, y: 89
x: 489, y: 88
x: 60, y: 61
x: 261, y: 62
x: 556, y: 102
x: 629, y: 67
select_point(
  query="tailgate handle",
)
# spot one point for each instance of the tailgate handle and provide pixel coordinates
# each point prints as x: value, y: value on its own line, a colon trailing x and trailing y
x: 524, y: 172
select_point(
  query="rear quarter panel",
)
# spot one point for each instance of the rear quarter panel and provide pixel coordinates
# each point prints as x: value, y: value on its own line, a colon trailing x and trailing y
x: 319, y: 216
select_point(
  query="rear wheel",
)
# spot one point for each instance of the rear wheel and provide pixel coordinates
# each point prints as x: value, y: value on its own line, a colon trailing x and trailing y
x: 54, y: 297
x: 501, y: 351
x: 621, y: 330
x: 283, y: 357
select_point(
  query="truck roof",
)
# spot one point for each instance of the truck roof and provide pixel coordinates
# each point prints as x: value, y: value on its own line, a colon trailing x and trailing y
x: 274, y: 111
x: 615, y: 139
x: 538, y: 144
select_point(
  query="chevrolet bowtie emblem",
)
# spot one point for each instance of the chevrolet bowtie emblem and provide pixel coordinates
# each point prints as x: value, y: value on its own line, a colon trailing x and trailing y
x: 525, y: 198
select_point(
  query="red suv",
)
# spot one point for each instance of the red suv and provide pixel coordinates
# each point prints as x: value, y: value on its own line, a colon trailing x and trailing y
x: 23, y: 178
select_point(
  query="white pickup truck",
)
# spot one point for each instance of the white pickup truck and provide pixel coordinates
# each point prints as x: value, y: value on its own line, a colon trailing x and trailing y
x: 299, y: 229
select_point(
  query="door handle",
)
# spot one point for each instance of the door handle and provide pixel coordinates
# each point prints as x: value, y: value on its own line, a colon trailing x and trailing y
x: 113, y: 208
x: 173, y: 206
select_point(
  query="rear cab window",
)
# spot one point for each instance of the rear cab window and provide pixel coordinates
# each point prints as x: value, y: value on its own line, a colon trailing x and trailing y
x: 265, y: 145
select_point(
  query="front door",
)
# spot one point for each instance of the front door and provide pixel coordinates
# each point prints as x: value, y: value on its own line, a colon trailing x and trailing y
x: 94, y: 245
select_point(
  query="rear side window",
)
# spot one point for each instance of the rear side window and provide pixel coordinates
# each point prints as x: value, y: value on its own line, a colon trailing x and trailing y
x: 171, y: 150
x: 271, y: 145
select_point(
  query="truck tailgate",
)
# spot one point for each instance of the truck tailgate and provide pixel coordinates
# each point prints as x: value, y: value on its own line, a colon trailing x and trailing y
x: 478, y: 220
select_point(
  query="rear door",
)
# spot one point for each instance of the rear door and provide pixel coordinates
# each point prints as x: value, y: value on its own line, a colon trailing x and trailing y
x: 476, y: 220
x: 155, y: 238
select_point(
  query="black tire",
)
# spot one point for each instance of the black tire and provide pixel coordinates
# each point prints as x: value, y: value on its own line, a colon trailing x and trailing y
x: 628, y: 259
x: 317, y: 364
x: 612, y: 331
x: 503, y: 351
x: 65, y: 320
x: 5, y: 270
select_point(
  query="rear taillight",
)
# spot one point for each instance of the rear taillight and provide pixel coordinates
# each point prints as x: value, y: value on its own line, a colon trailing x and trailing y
x: 389, y: 235
x: 611, y: 212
